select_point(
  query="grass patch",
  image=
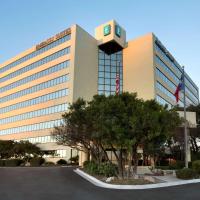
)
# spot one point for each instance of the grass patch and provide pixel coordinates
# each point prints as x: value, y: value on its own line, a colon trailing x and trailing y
x: 130, y: 182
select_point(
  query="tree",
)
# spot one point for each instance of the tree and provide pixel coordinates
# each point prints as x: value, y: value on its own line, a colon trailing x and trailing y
x: 121, y: 123
x: 25, y: 149
x: 194, y: 132
x: 6, y: 149
x: 22, y: 149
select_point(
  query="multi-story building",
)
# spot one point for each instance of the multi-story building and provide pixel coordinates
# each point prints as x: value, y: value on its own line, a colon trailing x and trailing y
x: 151, y: 71
x: 37, y: 85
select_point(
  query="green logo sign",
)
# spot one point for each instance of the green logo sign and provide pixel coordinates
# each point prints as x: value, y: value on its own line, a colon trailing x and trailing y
x: 106, y: 30
x: 118, y: 30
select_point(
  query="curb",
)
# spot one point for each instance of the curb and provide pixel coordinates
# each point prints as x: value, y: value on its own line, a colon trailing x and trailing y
x: 99, y: 183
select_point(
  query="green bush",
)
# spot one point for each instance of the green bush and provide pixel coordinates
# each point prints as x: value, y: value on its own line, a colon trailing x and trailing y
x: 49, y: 164
x: 13, y: 162
x: 107, y: 169
x: 61, y: 162
x: 104, y: 169
x: 35, y: 162
x: 186, y: 173
x: 177, y: 165
x: 163, y: 167
x: 196, y: 166
x: 91, y: 167
x: 2, y: 163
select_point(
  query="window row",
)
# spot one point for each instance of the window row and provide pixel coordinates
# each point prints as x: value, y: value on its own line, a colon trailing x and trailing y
x: 106, y: 93
x: 40, y: 139
x: 35, y: 53
x: 35, y: 76
x: 35, y: 113
x: 108, y: 87
x: 167, y: 92
x: 36, y: 88
x: 173, y: 86
x: 109, y: 81
x: 32, y: 127
x: 191, y: 95
x: 165, y: 79
x: 116, y: 63
x: 187, y: 82
x: 188, y: 101
x: 108, y: 68
x: 37, y: 100
x: 176, y: 79
x: 163, y: 102
x: 176, y: 68
x: 36, y: 64
x: 108, y: 75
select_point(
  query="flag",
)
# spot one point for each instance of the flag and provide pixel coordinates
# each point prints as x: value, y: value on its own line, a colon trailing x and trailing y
x: 117, y: 84
x: 179, y: 88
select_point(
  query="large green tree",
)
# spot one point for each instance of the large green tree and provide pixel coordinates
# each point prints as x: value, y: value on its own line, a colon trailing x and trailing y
x: 122, y: 123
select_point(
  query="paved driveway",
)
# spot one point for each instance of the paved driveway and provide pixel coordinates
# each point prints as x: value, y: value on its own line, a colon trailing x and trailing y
x: 59, y: 183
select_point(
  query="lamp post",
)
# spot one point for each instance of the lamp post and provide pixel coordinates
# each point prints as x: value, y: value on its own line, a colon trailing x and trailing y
x: 185, y: 121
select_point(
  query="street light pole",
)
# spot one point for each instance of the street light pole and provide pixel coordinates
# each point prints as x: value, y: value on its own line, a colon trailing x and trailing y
x: 185, y: 122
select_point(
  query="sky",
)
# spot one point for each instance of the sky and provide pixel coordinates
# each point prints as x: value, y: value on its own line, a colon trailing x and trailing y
x: 24, y: 23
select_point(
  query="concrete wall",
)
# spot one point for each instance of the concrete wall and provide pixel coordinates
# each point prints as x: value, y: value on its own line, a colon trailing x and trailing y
x: 85, y: 75
x: 138, y: 67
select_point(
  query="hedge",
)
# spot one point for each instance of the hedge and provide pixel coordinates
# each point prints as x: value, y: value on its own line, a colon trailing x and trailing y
x: 61, y: 162
x: 196, y: 166
x: 13, y: 162
x: 35, y: 162
x: 186, y: 173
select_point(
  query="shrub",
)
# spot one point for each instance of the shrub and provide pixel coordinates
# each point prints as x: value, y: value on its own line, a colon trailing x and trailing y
x: 177, y: 165
x: 91, y: 167
x: 13, y: 162
x: 49, y: 164
x: 196, y: 166
x: 185, y: 173
x: 37, y: 161
x: 163, y: 167
x: 2, y: 163
x: 107, y: 169
x: 61, y: 162
x: 104, y: 169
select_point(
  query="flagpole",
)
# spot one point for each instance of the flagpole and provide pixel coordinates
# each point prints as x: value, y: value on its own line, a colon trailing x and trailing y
x: 185, y: 122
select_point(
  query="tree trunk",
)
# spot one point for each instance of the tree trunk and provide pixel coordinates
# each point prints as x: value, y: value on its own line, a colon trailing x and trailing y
x: 135, y: 159
x: 105, y: 153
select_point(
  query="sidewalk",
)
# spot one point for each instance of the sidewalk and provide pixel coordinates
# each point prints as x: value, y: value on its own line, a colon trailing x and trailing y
x: 167, y: 178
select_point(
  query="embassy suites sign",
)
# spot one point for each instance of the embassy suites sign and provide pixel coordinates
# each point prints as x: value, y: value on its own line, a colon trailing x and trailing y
x: 54, y: 38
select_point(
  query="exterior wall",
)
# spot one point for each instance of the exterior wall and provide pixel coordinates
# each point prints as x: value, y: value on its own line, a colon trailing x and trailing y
x: 83, y: 82
x: 168, y: 75
x: 85, y: 77
x: 102, y: 39
x: 191, y: 118
x: 53, y: 102
x: 138, y: 67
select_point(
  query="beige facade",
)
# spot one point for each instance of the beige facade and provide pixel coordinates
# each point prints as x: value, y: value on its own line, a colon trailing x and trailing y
x: 82, y: 72
x: 138, y: 67
x: 37, y: 85
x: 152, y: 72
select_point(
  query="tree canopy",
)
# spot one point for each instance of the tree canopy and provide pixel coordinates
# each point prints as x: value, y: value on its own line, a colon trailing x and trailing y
x: 121, y: 123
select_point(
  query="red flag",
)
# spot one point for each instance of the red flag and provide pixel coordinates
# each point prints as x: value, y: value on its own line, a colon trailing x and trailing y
x: 179, y: 88
x: 117, y: 84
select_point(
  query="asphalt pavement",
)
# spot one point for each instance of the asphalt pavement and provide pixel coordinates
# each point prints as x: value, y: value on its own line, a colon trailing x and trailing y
x: 61, y: 183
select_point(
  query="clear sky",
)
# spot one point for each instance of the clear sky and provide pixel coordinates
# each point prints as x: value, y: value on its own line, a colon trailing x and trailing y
x: 24, y: 23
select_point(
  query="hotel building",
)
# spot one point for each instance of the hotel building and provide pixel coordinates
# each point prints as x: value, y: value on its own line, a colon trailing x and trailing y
x: 37, y: 85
